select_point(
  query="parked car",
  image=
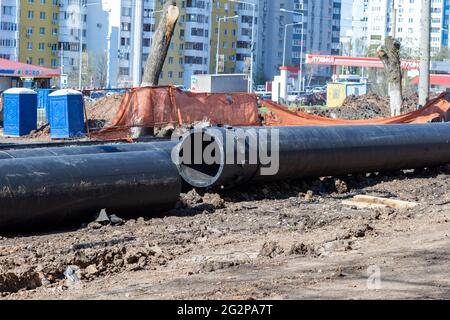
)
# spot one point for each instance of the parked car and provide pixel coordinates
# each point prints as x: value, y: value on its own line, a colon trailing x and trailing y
x: 182, y: 88
x: 312, y: 99
x: 96, y: 95
x: 319, y: 89
x: 264, y: 95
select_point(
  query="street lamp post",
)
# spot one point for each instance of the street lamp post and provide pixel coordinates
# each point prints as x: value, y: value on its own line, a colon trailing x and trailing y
x: 285, y: 37
x: 137, y: 42
x: 224, y: 19
x: 252, y: 47
x: 300, y: 72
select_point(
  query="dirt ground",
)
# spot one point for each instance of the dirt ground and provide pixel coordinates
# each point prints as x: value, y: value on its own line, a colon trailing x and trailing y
x: 369, y: 106
x: 283, y: 241
x: 280, y: 241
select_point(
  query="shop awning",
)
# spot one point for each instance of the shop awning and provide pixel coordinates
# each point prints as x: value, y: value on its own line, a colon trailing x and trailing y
x: 10, y: 68
x: 436, y: 79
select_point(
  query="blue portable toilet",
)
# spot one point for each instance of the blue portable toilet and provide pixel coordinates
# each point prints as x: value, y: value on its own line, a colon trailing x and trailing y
x: 66, y: 114
x: 19, y: 112
x: 44, y: 101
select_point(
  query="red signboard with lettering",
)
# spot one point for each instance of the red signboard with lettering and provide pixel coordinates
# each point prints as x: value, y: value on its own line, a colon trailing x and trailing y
x: 370, y: 62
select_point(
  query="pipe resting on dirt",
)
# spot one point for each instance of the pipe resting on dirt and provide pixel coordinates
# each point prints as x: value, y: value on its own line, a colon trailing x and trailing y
x: 79, y: 150
x: 300, y: 152
x: 39, y: 192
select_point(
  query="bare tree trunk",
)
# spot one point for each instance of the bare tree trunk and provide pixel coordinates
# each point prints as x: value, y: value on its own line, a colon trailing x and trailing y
x: 390, y: 55
x: 160, y: 44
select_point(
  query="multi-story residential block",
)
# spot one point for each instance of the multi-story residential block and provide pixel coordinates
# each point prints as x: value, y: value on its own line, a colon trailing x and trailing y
x: 71, y: 20
x: 196, y: 45
x: 401, y: 19
x: 359, y: 27
x: 189, y: 52
x: 9, y: 29
x: 235, y: 47
x: 320, y: 25
x: 38, y: 32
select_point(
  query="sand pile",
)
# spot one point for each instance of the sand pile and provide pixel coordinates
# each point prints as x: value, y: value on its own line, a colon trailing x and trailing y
x: 101, y: 112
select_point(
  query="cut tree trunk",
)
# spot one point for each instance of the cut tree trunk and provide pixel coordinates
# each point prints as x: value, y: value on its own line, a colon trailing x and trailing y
x: 158, y: 53
x: 160, y: 44
x: 390, y: 55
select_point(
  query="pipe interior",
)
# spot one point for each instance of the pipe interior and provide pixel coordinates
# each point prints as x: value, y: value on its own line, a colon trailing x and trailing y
x: 200, y: 174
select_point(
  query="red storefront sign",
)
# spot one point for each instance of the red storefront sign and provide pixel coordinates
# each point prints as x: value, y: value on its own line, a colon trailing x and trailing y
x: 369, y: 62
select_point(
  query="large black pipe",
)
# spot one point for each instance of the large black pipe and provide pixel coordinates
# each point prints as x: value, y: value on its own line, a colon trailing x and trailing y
x: 79, y: 150
x: 55, y: 191
x: 322, y: 151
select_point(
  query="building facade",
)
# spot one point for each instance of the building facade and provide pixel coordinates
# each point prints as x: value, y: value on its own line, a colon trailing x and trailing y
x: 359, y: 27
x: 319, y: 24
x: 9, y: 29
x: 73, y: 36
x: 401, y: 19
x: 38, y: 32
x: 189, y: 52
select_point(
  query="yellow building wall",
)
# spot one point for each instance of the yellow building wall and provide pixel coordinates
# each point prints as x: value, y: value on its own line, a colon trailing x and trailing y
x: 228, y: 34
x: 36, y: 22
x: 176, y: 52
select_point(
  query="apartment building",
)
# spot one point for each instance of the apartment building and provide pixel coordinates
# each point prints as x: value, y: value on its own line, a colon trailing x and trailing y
x: 359, y: 23
x: 38, y: 32
x: 236, y: 32
x: 401, y: 19
x: 189, y: 52
x: 319, y: 23
x: 9, y: 29
x: 72, y: 19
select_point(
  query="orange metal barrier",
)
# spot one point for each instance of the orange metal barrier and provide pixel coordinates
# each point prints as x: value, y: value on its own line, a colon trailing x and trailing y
x: 437, y: 110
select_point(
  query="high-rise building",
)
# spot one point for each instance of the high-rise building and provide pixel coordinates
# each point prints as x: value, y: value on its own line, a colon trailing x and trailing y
x: 189, y: 52
x: 359, y: 27
x: 320, y: 24
x: 235, y: 47
x: 38, y: 32
x: 401, y: 19
x: 72, y: 34
x: 9, y: 29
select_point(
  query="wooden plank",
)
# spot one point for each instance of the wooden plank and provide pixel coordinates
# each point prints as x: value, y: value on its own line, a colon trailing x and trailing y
x: 392, y: 203
x: 362, y: 205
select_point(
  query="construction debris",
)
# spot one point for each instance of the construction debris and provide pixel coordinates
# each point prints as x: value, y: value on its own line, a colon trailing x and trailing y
x: 363, y: 201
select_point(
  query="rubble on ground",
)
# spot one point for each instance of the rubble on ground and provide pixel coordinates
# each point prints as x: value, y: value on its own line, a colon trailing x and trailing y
x: 366, y: 107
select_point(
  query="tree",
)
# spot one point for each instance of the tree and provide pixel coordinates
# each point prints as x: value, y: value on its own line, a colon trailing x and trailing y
x: 390, y: 55
x: 86, y: 74
x: 100, y: 70
x: 160, y: 44
x: 158, y: 53
x: 260, y: 77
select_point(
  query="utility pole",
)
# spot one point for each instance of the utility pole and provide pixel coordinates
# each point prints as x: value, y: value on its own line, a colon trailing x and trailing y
x: 137, y: 41
x: 425, y: 26
x: 80, y: 49
x: 394, y: 20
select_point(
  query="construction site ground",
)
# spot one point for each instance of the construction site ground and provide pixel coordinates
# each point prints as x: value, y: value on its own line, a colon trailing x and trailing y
x: 288, y: 240
x: 281, y: 241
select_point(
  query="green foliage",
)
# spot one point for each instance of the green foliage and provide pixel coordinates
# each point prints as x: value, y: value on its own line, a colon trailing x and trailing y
x: 260, y: 77
x: 442, y: 55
